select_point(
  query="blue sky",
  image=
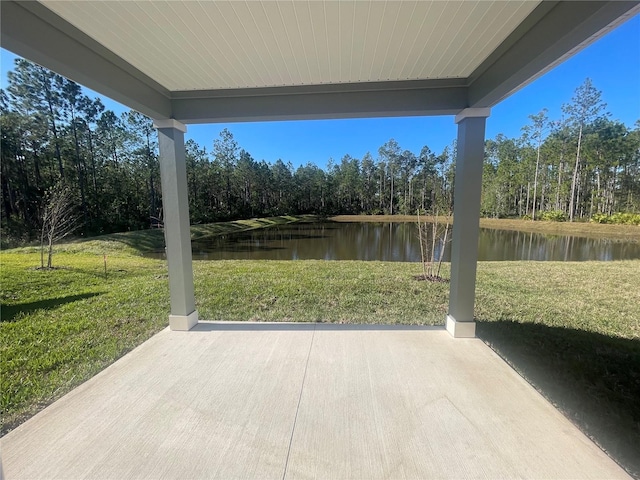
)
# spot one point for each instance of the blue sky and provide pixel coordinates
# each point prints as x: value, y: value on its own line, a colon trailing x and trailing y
x: 612, y: 63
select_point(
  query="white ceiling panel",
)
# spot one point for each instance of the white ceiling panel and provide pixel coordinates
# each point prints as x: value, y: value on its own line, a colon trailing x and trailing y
x: 236, y: 60
x: 211, y: 45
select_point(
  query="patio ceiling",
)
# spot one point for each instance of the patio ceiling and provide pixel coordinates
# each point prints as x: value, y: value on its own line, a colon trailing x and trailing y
x: 221, y: 61
x: 227, y: 44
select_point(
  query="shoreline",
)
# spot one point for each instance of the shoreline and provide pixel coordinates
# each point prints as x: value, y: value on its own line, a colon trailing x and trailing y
x: 576, y: 229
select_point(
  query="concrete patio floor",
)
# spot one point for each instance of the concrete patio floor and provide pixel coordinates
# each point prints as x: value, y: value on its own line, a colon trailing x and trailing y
x: 288, y: 401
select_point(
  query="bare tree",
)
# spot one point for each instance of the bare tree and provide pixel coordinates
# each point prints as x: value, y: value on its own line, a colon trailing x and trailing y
x: 432, y: 245
x: 59, y: 219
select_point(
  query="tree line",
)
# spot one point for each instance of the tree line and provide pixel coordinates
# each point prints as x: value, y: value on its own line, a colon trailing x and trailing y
x: 576, y: 167
x: 53, y: 134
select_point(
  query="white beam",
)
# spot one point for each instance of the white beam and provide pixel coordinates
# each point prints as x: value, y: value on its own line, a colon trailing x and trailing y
x: 466, y: 221
x: 173, y: 172
x: 472, y: 113
x: 304, y: 102
x: 170, y: 123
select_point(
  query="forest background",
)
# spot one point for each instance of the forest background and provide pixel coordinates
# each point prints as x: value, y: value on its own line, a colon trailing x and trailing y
x: 581, y: 166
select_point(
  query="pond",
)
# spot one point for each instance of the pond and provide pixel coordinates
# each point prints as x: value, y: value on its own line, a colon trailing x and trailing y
x: 398, y: 242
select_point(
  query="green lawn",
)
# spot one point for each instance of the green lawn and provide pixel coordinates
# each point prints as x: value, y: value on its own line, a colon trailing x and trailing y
x: 318, y: 291
x: 572, y: 329
x: 60, y: 327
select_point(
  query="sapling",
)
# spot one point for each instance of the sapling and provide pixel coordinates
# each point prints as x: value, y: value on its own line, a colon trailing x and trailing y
x: 59, y: 219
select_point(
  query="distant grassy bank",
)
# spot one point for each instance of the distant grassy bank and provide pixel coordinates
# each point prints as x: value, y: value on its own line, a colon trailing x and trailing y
x: 138, y: 242
x: 578, y: 229
x: 146, y: 241
x: 572, y: 329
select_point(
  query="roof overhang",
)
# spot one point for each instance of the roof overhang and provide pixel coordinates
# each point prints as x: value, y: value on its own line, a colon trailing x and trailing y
x: 546, y: 35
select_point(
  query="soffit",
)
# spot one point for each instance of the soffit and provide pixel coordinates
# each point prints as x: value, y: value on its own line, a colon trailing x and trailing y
x: 221, y: 45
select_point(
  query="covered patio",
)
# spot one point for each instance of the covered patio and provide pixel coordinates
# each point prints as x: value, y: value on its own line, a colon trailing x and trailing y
x: 247, y: 400
x: 238, y: 401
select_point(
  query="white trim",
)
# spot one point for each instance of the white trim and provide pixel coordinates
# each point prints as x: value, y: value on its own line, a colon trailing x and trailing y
x: 473, y: 113
x: 170, y: 123
x: 461, y: 329
x: 183, y: 322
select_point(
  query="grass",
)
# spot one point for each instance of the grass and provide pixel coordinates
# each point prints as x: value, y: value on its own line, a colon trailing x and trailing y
x: 598, y: 297
x: 572, y: 329
x: 578, y: 229
x: 318, y: 291
x: 60, y: 327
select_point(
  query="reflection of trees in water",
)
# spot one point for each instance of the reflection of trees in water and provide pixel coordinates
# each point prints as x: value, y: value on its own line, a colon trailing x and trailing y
x: 399, y: 242
x: 495, y: 245
x: 567, y: 242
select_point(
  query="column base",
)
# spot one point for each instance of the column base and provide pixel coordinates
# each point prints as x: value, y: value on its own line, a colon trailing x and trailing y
x: 461, y: 329
x: 183, y: 322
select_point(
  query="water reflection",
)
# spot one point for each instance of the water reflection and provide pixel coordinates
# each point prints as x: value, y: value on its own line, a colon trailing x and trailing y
x: 512, y: 245
x: 398, y: 242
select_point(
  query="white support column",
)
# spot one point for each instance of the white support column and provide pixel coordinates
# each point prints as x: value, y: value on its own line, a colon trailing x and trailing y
x: 173, y: 173
x: 466, y: 221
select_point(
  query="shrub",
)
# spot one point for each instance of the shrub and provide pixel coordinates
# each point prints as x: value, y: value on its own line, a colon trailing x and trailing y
x: 618, y: 218
x: 553, y: 216
x: 599, y: 218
